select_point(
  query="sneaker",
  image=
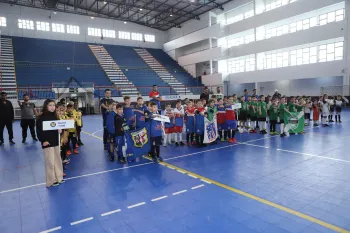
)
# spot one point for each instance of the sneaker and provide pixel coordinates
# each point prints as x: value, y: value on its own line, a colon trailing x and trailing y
x: 187, y: 144
x: 193, y: 143
x: 182, y: 144
x: 76, y: 145
x: 234, y: 140
x: 111, y: 158
x: 276, y: 133
x: 282, y: 135
x: 69, y: 153
x: 80, y: 143
x: 122, y: 161
x: 64, y: 174
x: 23, y: 140
x: 222, y: 139
x: 35, y: 139
x: 164, y: 145
x: 272, y: 133
x: 251, y: 131
x: 1, y: 143
x: 75, y: 151
x: 160, y: 159
x: 340, y: 121
x: 62, y: 181
x: 177, y: 144
x: 55, y: 184
x: 12, y: 142
x: 154, y: 159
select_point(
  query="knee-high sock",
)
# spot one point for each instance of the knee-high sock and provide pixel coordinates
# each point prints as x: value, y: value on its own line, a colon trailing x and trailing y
x: 282, y: 128
x: 264, y: 125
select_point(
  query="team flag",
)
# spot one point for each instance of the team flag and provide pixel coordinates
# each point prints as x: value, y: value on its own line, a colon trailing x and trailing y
x: 210, y: 130
x: 294, y: 122
x: 138, y: 142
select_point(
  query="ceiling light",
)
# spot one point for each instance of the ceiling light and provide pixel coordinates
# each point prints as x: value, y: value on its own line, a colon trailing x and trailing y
x: 124, y: 22
x: 55, y: 12
x: 105, y: 2
x: 171, y: 15
x: 140, y: 9
x: 92, y: 17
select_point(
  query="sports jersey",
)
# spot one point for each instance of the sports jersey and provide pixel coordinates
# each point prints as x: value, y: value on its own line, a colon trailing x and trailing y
x: 153, y: 95
x: 110, y: 121
x: 179, y: 119
x: 253, y: 110
x: 129, y: 115
x: 78, y: 117
x: 262, y: 106
x: 273, y: 112
x: 211, y: 112
x: 292, y: 107
x: 70, y: 116
x: 338, y: 103
x: 156, y: 127
x: 119, y: 121
x: 221, y: 117
x: 140, y: 118
x: 171, y: 118
x: 200, y: 121
x: 190, y: 127
x: 244, y: 106
x: 299, y: 108
x: 282, y: 110
x: 231, y: 122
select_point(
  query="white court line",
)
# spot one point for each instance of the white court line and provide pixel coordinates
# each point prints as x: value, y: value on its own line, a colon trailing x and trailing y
x: 110, y: 212
x: 243, y: 143
x: 323, y: 157
x: 192, y: 176
x: 81, y: 221
x: 179, y: 192
x: 159, y: 198
x: 198, y: 186
x: 51, y: 230
x: 205, y: 181
x: 97, y: 131
x: 136, y: 205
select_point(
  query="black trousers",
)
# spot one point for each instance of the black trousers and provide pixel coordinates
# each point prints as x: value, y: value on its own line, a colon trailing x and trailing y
x: 105, y: 132
x: 8, y: 125
x: 25, y: 123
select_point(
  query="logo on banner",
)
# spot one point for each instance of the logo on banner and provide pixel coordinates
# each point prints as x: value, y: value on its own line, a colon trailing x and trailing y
x: 139, y: 138
x: 211, y: 131
x: 53, y: 124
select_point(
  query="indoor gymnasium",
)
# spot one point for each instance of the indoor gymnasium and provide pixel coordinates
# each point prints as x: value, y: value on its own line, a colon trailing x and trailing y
x: 174, y: 116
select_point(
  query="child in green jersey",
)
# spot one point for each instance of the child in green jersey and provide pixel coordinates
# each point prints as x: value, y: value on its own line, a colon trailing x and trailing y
x: 282, y: 111
x: 262, y: 111
x: 273, y: 115
x: 243, y: 114
x: 253, y: 112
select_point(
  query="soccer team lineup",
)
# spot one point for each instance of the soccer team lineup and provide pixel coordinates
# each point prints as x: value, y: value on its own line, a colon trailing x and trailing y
x: 134, y: 130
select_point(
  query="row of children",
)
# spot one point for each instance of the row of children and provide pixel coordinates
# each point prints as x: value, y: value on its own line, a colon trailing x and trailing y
x: 70, y: 138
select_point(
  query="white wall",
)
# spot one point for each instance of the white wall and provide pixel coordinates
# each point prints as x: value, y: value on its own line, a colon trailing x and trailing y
x: 13, y: 13
x: 191, y: 69
x: 299, y: 87
x: 206, y: 55
x: 193, y: 48
x: 212, y: 79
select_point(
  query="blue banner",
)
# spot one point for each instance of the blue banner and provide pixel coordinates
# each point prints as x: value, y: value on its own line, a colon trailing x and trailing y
x: 138, y: 142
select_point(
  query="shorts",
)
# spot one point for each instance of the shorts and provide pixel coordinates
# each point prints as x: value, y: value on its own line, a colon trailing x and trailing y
x: 222, y: 127
x: 231, y: 124
x: 243, y: 116
x: 338, y: 108
x: 253, y: 118
x: 156, y: 141
x: 281, y: 121
x: 178, y: 129
x: 169, y: 130
x: 331, y: 108
x: 261, y: 118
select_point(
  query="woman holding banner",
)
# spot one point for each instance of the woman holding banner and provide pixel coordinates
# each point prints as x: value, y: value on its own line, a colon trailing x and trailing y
x: 50, y: 144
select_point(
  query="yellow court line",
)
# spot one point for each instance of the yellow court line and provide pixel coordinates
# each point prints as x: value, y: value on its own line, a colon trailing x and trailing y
x: 277, y: 206
x: 92, y: 135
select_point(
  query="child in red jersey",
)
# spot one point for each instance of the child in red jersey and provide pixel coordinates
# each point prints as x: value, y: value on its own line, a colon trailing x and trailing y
x: 199, y: 124
x: 169, y: 127
x: 221, y: 120
x: 190, y: 126
x: 231, y: 122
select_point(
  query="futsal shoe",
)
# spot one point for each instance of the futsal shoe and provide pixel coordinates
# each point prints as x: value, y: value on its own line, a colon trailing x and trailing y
x: 182, y: 144
x: 122, y: 161
x: 76, y: 145
x: 23, y: 140
x: 234, y: 140
x: 111, y: 158
x: 64, y: 174
x: 160, y: 159
x: 275, y: 133
x: 177, y: 144
x: 75, y: 151
x: 69, y: 153
x: 12, y: 142
x: 80, y: 143
x: 222, y: 139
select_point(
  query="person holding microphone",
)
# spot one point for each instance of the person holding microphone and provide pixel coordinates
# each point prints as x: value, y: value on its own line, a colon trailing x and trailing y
x: 50, y: 144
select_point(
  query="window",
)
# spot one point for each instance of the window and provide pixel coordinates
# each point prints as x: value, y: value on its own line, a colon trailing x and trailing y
x: 124, y: 35
x: 26, y: 24
x: 108, y: 33
x: 94, y: 32
x: 293, y: 27
x: 136, y: 36
x: 2, y: 22
x: 58, y: 27
x: 249, y: 14
x: 313, y: 54
x: 42, y: 26
x: 149, y: 38
x: 339, y: 15
x: 241, y: 64
x: 338, y: 51
x: 277, y: 3
x: 331, y: 52
x: 73, y: 29
x: 306, y: 24
x: 313, y: 22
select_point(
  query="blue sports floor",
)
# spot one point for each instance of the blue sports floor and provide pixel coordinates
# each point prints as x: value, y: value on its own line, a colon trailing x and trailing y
x: 261, y: 184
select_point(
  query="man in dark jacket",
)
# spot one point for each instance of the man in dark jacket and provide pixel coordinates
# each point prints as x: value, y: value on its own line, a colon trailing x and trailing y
x: 7, y: 117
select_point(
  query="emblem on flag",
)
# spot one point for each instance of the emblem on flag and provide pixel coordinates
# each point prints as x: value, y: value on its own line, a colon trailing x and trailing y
x: 140, y: 138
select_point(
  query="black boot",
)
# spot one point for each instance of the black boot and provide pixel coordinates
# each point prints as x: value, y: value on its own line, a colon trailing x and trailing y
x: 336, y: 118
x: 24, y: 140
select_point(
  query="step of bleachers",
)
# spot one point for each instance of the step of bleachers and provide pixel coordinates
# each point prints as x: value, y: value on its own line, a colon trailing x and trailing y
x: 7, y: 68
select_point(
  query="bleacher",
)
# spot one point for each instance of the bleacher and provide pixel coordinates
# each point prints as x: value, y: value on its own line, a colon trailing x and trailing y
x: 42, y: 62
x: 136, y: 70
x: 175, y: 69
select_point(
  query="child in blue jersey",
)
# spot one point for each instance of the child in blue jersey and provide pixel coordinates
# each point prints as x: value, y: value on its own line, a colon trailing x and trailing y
x: 156, y: 133
x: 110, y: 127
x: 179, y: 123
x: 140, y: 113
x: 120, y: 126
x: 190, y: 119
x: 129, y: 113
x: 169, y: 127
x: 200, y: 124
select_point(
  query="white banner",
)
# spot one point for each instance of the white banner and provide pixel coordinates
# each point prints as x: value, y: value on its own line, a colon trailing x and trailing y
x: 161, y: 118
x: 210, y: 130
x: 55, y: 125
x: 237, y: 106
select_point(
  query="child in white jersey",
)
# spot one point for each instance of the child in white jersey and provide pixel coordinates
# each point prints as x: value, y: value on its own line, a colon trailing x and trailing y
x: 325, y: 110
x: 179, y: 113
